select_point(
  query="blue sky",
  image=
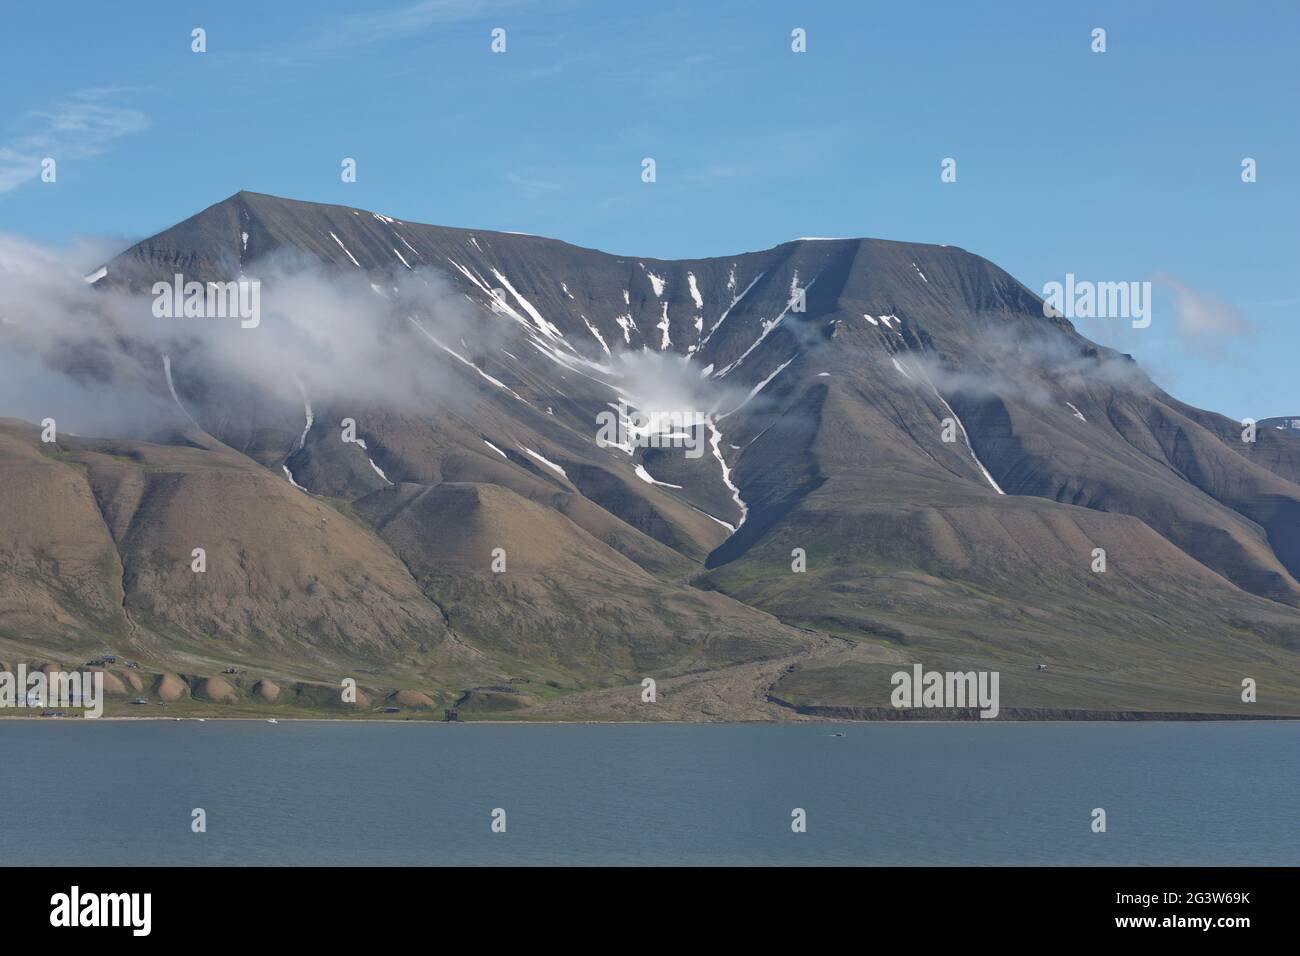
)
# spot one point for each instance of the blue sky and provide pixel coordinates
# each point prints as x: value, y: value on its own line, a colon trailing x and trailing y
x: 1123, y: 165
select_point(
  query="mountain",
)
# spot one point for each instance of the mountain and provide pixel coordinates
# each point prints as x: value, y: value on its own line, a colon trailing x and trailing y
x: 903, y: 418
x: 1283, y: 423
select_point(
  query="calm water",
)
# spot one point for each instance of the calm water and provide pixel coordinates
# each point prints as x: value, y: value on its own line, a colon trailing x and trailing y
x: 332, y: 793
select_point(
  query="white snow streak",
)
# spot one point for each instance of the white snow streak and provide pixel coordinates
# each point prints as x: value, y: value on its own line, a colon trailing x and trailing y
x: 288, y: 474
x: 769, y: 326
x: 464, y: 361
x: 596, y: 332
x: 726, y: 524
x: 545, y: 327
x: 345, y: 250
x: 758, y: 388
x: 965, y: 437
x: 715, y: 437
x: 378, y: 471
x: 171, y: 387
x: 646, y: 477
x: 408, y: 245
x: 549, y: 464
x: 306, y: 407
x: 727, y: 311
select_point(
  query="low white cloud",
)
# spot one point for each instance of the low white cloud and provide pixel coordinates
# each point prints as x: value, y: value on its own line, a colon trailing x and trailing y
x: 91, y: 356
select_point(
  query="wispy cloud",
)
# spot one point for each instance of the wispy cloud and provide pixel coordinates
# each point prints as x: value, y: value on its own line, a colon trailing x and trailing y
x: 84, y: 124
x: 1202, y: 323
x: 533, y: 185
x: 380, y: 26
x: 717, y: 173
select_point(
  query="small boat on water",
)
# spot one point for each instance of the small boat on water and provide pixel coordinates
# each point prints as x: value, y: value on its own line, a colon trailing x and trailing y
x: 271, y: 720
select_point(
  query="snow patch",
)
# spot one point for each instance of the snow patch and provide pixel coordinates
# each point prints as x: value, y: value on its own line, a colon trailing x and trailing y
x: 378, y: 471
x: 596, y: 332
x: 549, y: 464
x: 545, y: 327
x: 646, y: 477
x: 695, y: 290
x: 656, y: 281
x: 345, y: 250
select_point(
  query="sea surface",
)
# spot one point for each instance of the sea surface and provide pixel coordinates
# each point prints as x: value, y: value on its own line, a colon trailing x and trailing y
x: 334, y: 793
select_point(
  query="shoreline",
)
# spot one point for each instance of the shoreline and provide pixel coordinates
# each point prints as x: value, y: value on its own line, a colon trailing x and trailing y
x: 826, y: 721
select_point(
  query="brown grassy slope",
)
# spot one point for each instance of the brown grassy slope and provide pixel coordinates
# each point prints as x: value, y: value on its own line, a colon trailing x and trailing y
x: 567, y: 601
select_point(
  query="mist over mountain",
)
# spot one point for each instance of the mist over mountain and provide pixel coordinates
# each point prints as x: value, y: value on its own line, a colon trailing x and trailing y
x: 899, y: 457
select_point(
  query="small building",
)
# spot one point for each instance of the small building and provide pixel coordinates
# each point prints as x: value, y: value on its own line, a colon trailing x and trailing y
x: 451, y: 714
